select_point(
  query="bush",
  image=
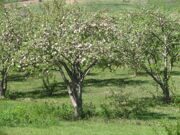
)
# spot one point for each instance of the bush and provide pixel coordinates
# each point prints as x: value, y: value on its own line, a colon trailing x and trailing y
x: 119, y: 105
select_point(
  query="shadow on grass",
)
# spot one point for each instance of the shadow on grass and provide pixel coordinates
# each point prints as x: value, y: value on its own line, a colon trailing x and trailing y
x: 60, y: 90
x: 18, y: 77
x: 176, y: 73
x: 155, y: 116
x: 40, y: 92
x: 112, y: 82
x: 92, y: 74
x: 137, y: 109
x: 145, y: 114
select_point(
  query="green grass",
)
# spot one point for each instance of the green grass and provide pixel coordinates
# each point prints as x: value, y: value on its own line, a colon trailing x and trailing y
x: 84, y: 128
x: 28, y: 98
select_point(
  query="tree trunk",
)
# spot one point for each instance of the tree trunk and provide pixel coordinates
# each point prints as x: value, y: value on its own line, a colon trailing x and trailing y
x: 75, y: 93
x: 166, y: 94
x: 165, y: 86
x: 3, y: 84
x: 2, y: 92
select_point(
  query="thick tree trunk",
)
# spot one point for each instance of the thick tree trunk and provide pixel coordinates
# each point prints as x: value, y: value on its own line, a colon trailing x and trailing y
x: 166, y: 93
x: 75, y: 93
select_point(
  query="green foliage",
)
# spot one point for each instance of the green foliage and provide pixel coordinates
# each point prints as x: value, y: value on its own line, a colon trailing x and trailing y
x: 150, y: 41
x: 119, y: 105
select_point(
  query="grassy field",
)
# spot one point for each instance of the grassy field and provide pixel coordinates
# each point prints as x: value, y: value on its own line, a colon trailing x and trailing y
x: 30, y: 111
x: 84, y: 128
x: 29, y: 97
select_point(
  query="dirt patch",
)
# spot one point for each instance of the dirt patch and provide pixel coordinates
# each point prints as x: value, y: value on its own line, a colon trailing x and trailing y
x: 27, y: 2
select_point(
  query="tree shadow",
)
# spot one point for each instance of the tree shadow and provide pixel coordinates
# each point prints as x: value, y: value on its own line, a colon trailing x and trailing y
x: 38, y: 93
x: 18, y: 77
x: 92, y: 74
x: 112, y: 82
x: 175, y: 73
x: 155, y: 116
x: 60, y: 89
x: 141, y: 111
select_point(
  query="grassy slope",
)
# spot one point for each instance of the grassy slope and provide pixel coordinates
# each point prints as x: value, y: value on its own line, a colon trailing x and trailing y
x: 97, y: 85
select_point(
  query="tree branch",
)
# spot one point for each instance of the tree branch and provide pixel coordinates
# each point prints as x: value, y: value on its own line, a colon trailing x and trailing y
x: 88, y: 69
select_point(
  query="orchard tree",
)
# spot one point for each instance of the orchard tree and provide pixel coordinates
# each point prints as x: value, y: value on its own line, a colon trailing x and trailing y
x: 73, y: 42
x: 153, y: 40
x: 13, y: 26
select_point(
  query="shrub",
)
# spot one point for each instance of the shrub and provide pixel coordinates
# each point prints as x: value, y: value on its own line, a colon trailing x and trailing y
x: 119, y: 105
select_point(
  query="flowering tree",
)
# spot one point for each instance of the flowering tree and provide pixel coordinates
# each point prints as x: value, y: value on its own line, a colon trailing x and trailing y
x: 153, y: 40
x: 72, y: 42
